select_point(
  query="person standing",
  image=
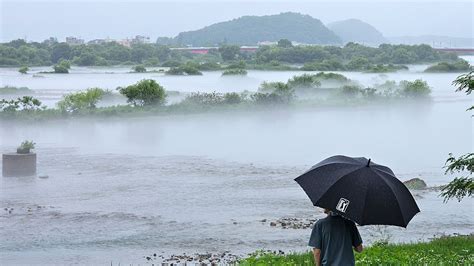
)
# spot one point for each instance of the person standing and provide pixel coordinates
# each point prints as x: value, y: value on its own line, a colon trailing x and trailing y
x: 333, y: 238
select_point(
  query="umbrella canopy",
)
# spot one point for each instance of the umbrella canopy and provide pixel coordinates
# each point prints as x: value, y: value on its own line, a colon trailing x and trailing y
x: 360, y: 190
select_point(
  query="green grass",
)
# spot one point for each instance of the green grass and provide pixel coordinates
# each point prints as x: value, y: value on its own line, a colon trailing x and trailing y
x: 452, y: 250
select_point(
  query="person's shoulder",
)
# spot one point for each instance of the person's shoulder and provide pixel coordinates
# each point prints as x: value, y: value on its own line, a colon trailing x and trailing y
x: 322, y: 220
x: 349, y: 222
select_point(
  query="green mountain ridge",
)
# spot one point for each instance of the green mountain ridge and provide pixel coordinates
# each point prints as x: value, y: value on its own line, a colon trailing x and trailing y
x: 250, y: 30
x: 355, y: 30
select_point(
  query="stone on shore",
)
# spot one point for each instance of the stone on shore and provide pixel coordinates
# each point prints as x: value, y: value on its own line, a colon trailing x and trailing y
x: 415, y: 184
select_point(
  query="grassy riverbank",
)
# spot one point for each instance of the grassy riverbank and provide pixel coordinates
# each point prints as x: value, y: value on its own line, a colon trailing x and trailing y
x: 452, y: 250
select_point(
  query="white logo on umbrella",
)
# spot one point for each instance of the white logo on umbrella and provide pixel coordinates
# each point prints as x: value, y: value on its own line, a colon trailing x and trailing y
x: 342, y: 205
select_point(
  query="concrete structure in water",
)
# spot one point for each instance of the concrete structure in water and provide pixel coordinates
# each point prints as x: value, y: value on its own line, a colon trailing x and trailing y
x: 17, y: 165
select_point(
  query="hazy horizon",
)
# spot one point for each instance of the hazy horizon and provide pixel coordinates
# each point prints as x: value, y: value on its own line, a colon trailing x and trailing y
x: 39, y: 20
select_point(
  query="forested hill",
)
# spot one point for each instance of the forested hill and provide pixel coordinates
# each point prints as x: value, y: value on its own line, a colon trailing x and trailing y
x: 249, y: 30
x: 354, y: 30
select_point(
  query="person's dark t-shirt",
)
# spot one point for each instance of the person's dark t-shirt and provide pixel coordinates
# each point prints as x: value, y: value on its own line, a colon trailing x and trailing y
x: 335, y: 236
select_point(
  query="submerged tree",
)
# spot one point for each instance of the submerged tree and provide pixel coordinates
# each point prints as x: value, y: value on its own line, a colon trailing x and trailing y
x: 83, y: 100
x: 284, y: 43
x: 139, y: 69
x: 144, y: 92
x: 23, y: 70
x: 462, y: 186
x: 62, y: 67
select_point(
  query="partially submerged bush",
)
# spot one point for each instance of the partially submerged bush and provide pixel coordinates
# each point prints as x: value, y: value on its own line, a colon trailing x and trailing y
x: 191, y: 70
x: 175, y: 71
x: 325, y: 65
x: 351, y: 90
x: 187, y: 69
x: 145, y: 92
x: 25, y: 103
x: 458, y: 66
x: 204, y: 98
x: 281, y: 94
x: 270, y: 86
x: 139, y: 69
x: 206, y: 66
x: 23, y: 70
x: 332, y: 76
x: 171, y: 63
x: 404, y: 88
x: 417, y: 88
x: 233, y: 98
x: 305, y: 81
x: 235, y: 71
x: 83, y: 100
x: 237, y: 65
x: 380, y: 68
x: 62, y: 67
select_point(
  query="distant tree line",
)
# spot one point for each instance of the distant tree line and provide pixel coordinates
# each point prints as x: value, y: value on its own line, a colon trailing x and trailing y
x: 350, y: 57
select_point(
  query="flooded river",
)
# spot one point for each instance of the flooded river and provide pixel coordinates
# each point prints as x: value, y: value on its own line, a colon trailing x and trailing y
x: 119, y: 189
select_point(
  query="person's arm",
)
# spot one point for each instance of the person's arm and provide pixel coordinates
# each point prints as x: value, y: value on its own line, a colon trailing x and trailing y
x: 315, y: 243
x: 317, y: 256
x: 356, y: 239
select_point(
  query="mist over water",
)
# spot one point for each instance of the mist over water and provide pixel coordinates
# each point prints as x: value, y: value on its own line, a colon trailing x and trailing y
x: 122, y: 188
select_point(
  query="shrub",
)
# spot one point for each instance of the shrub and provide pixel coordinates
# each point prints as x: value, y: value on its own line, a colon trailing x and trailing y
x: 84, y: 100
x: 27, y: 145
x: 235, y: 71
x: 23, y: 70
x: 191, y: 69
x: 332, y: 76
x: 325, y: 65
x: 266, y: 98
x: 139, y: 69
x: 209, y: 66
x: 175, y: 71
x: 270, y: 86
x: 380, y: 68
x: 458, y: 66
x: 204, y: 98
x: 358, y: 63
x: 187, y: 69
x: 171, y: 63
x: 239, y: 65
x: 26, y: 103
x: 417, y: 88
x: 145, y: 92
x: 232, y: 98
x: 304, y: 81
x: 351, y: 90
x: 63, y: 67
x: 282, y: 94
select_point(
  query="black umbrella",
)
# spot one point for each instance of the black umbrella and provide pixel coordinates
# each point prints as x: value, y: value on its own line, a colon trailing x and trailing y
x: 359, y: 190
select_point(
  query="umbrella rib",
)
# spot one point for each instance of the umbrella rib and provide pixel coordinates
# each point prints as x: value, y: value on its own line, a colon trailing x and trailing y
x: 396, y: 197
x: 365, y: 201
x: 326, y: 164
x: 381, y: 170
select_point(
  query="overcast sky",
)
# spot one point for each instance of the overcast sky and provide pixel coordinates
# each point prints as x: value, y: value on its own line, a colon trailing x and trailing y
x: 38, y: 20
